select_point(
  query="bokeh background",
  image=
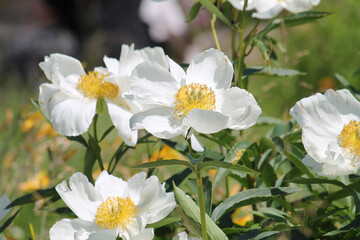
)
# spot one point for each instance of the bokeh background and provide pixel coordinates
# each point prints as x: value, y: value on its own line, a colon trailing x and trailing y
x: 33, y: 156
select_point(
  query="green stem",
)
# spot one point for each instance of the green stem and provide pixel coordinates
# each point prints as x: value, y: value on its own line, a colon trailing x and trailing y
x: 201, y: 202
x: 227, y: 183
x: 95, y: 128
x: 110, y: 169
x: 241, y: 50
x: 213, y: 19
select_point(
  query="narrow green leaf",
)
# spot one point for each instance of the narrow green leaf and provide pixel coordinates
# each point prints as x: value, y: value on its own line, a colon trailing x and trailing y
x: 230, y: 157
x: 163, y: 222
x: 345, y: 192
x: 214, y: 10
x: 357, y: 202
x: 293, y: 20
x: 319, y: 181
x: 78, y: 139
x: 355, y: 224
x: 33, y: 197
x: 248, y: 197
x: 295, y: 157
x: 9, y: 221
x: 192, y: 210
x: 177, y: 179
x: 107, y: 132
x: 194, y: 11
x: 346, y: 84
x: 270, y: 71
x: 268, y: 175
x: 230, y: 166
x: 89, y: 162
x: 165, y: 163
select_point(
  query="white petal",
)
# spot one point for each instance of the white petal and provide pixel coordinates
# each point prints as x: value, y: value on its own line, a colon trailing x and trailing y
x: 160, y: 122
x: 146, y: 234
x: 298, y: 6
x: 66, y: 65
x: 46, y: 92
x: 112, y: 64
x: 108, y: 186
x: 240, y: 106
x: 103, y: 234
x: 155, y: 203
x: 134, y: 228
x: 196, y: 144
x: 135, y: 184
x: 4, y: 202
x: 239, y: 4
x: 345, y: 103
x: 271, y: 13
x: 130, y: 58
x: 151, y: 83
x: 266, y: 5
x: 120, y: 117
x: 320, y: 121
x: 212, y: 68
x: 177, y: 72
x: 207, y: 121
x: 71, y: 117
x: 68, y: 229
x: 82, y: 198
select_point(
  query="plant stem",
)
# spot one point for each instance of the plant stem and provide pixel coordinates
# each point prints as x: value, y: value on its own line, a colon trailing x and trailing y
x: 212, y: 21
x: 201, y: 202
x: 241, y: 50
x: 95, y: 124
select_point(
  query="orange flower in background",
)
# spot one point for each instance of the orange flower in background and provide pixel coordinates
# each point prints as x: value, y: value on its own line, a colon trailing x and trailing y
x: 166, y: 153
x: 41, y: 180
x: 326, y: 83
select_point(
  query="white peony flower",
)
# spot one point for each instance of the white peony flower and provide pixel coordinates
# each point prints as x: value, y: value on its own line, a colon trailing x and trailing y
x: 4, y: 202
x: 201, y: 98
x: 69, y: 101
x: 112, y: 207
x: 184, y: 236
x: 330, y: 131
x: 165, y: 19
x: 266, y: 9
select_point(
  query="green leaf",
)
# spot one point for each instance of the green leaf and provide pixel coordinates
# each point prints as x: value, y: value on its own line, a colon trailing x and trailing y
x: 248, y: 197
x: 195, y: 160
x: 279, y: 144
x: 33, y: 197
x: 78, y: 139
x: 230, y: 157
x: 355, y: 224
x: 163, y: 222
x: 293, y: 20
x: 207, y: 188
x: 345, y: 192
x: 177, y: 179
x: 346, y: 84
x: 268, y: 175
x: 192, y: 210
x: 270, y: 71
x: 194, y: 11
x: 320, y: 181
x: 230, y: 166
x: 89, y: 162
x: 295, y: 156
x: 214, y: 10
x: 266, y: 120
x: 9, y: 221
x: 165, y: 163
x: 357, y: 202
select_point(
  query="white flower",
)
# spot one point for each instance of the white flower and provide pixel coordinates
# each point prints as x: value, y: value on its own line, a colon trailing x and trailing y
x: 330, y: 131
x: 184, y: 236
x: 165, y: 19
x: 239, y: 4
x: 112, y: 207
x: 69, y: 101
x: 266, y: 9
x: 4, y: 202
x: 201, y: 98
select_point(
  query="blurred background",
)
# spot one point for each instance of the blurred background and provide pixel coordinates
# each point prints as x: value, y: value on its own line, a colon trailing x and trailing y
x: 31, y: 152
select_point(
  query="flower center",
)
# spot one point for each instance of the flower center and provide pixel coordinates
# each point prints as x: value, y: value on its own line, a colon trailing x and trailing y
x: 115, y: 213
x: 92, y: 85
x: 350, y: 137
x: 192, y: 96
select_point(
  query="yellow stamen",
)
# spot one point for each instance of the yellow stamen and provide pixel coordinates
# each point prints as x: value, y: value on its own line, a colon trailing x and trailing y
x: 193, y: 96
x: 115, y: 213
x: 350, y: 137
x: 92, y: 85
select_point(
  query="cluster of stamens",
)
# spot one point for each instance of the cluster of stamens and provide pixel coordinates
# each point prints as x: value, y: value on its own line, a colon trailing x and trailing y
x: 350, y: 137
x: 115, y: 213
x: 193, y: 96
x: 93, y: 86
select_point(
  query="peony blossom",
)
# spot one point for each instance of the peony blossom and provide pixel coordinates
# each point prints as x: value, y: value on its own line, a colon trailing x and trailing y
x: 266, y: 9
x: 330, y: 131
x: 112, y: 207
x: 200, y: 99
x: 69, y: 101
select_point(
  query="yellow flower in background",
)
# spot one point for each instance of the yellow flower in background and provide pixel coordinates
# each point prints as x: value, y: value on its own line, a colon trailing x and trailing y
x: 41, y: 180
x: 31, y: 120
x: 242, y: 215
x: 166, y: 153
